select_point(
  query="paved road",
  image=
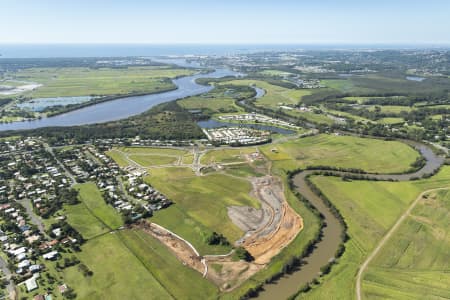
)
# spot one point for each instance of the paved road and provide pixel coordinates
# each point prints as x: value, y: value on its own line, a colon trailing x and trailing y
x: 36, y: 220
x: 68, y: 174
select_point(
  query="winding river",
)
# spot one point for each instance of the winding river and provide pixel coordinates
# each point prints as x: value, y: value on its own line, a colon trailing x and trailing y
x: 326, y: 248
x: 122, y: 108
x: 186, y: 86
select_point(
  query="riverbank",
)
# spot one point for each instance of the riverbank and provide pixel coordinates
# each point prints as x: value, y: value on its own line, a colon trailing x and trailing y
x: 333, y: 236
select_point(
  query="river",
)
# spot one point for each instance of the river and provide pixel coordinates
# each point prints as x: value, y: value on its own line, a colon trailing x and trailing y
x: 122, y: 108
x: 326, y: 248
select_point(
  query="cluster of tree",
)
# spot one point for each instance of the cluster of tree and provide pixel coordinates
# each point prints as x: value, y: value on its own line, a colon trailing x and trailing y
x: 66, y: 231
x: 63, y: 196
x: 85, y: 270
x: 167, y: 121
x: 67, y: 262
x: 241, y: 253
x: 217, y: 239
x: 14, y: 64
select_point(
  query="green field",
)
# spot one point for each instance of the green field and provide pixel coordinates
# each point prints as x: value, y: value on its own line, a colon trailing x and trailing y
x: 93, y: 200
x: 275, y: 95
x: 391, y: 109
x: 109, y: 258
x: 342, y: 151
x: 276, y: 73
x: 118, y: 157
x: 415, y: 263
x: 213, y: 105
x: 153, y: 160
x: 227, y: 155
x: 363, y: 100
x: 345, y: 86
x: 84, y: 221
x: 148, y: 156
x: 369, y: 209
x: 311, y: 116
x: 200, y: 204
x: 389, y: 121
x: 180, y: 281
x: 59, y: 82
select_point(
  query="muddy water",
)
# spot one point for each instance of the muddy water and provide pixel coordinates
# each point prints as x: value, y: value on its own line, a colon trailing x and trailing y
x: 326, y: 248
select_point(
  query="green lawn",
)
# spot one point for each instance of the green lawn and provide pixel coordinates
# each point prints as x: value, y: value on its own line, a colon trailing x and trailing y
x: 94, y: 202
x: 342, y: 151
x: 181, y: 281
x: 58, y: 82
x: 369, y: 208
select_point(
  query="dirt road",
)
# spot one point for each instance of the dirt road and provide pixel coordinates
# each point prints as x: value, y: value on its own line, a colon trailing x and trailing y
x: 387, y: 236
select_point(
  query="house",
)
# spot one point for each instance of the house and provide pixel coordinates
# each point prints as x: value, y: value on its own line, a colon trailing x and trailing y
x: 50, y: 255
x: 24, y: 264
x: 34, y: 268
x: 31, y: 284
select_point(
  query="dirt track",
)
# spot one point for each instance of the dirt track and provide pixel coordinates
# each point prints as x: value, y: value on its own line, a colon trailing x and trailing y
x: 182, y: 249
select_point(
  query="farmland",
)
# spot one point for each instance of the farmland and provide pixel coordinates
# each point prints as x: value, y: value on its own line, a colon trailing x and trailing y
x: 60, y: 82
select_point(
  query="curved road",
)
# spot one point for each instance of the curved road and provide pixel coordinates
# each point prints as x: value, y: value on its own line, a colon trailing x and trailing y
x: 326, y: 248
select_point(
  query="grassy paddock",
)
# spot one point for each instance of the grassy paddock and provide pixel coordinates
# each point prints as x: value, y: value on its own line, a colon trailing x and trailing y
x: 181, y: 281
x: 370, y: 209
x: 275, y: 95
x: 200, y: 204
x: 108, y: 258
x: 94, y: 202
x: 342, y: 151
x: 60, y: 82
x: 415, y: 259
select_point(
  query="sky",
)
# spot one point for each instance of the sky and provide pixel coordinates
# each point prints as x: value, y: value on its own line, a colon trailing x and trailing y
x: 226, y: 21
